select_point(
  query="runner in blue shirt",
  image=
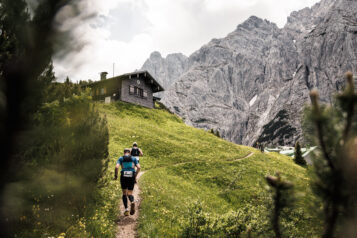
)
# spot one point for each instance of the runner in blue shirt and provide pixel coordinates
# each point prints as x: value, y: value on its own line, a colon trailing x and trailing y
x: 127, y: 179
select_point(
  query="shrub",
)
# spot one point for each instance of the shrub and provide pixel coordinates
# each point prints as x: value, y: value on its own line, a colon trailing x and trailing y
x: 244, y: 222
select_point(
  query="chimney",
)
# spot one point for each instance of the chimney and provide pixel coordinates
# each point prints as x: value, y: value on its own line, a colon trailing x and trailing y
x: 103, y: 75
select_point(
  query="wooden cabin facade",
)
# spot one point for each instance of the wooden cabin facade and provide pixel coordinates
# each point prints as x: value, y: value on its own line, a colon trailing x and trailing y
x: 137, y: 87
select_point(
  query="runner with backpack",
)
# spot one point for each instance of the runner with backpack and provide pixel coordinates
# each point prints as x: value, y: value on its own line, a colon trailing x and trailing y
x: 128, y: 175
x: 136, y: 151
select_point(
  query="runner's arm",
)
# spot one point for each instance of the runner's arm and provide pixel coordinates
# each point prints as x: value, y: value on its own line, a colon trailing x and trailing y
x: 141, y: 152
x: 116, y: 169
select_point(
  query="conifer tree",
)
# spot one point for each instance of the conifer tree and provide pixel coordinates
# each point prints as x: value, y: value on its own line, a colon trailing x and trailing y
x: 67, y: 87
x: 335, y: 132
x: 217, y: 134
x: 298, y: 155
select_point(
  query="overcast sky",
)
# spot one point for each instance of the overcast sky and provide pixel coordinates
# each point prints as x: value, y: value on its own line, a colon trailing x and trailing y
x: 125, y: 32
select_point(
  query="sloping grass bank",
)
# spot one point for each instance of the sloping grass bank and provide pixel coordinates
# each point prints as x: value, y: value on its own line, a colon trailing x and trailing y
x: 190, y: 171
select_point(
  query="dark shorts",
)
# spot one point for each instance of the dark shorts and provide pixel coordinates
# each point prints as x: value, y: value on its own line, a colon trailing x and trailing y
x: 127, y: 183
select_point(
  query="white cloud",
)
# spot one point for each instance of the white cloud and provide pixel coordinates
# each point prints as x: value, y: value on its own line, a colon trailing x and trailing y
x: 217, y: 6
x: 125, y: 32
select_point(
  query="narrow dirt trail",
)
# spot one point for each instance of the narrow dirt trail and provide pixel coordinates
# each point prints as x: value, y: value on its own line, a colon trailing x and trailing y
x: 127, y: 225
x: 247, y: 156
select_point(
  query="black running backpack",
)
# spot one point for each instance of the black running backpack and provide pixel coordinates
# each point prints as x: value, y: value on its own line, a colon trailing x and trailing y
x: 135, y: 152
x: 127, y: 158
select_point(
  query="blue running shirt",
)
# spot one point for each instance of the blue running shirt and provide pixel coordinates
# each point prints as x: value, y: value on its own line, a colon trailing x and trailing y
x: 127, y: 166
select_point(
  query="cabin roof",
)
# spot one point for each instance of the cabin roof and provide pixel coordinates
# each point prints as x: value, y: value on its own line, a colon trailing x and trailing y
x: 156, y: 87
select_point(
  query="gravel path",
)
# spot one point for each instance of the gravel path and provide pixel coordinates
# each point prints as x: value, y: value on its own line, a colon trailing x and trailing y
x: 127, y: 225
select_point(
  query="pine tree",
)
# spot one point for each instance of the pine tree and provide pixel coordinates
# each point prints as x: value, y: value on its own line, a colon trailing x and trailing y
x: 298, y: 155
x: 67, y: 81
x: 217, y: 134
x: 67, y: 87
x: 335, y: 163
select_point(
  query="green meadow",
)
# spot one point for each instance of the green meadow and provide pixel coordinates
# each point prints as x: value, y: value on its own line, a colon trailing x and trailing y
x: 196, y: 183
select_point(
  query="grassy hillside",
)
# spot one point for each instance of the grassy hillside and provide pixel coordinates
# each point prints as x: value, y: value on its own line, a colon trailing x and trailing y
x: 191, y: 173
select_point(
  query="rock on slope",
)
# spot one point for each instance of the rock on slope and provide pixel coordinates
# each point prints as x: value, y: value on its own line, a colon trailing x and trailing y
x: 252, y: 85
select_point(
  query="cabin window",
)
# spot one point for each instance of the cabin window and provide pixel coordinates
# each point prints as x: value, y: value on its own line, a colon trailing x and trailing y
x: 103, y: 91
x: 131, y: 90
x: 140, y: 92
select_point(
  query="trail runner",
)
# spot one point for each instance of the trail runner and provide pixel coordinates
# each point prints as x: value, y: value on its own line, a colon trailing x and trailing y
x: 136, y: 151
x: 128, y: 175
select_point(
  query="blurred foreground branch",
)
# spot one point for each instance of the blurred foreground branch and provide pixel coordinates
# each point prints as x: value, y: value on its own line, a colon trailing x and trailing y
x: 335, y: 130
x: 280, y: 198
x: 28, y: 40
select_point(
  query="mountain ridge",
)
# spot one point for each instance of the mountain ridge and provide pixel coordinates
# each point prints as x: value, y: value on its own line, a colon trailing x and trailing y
x: 277, y: 67
x: 165, y: 69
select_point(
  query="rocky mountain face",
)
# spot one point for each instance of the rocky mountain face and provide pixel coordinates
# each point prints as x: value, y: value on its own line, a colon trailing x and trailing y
x: 166, y: 70
x: 252, y: 85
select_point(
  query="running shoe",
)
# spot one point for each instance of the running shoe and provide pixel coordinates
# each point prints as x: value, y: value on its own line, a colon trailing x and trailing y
x: 132, y: 208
